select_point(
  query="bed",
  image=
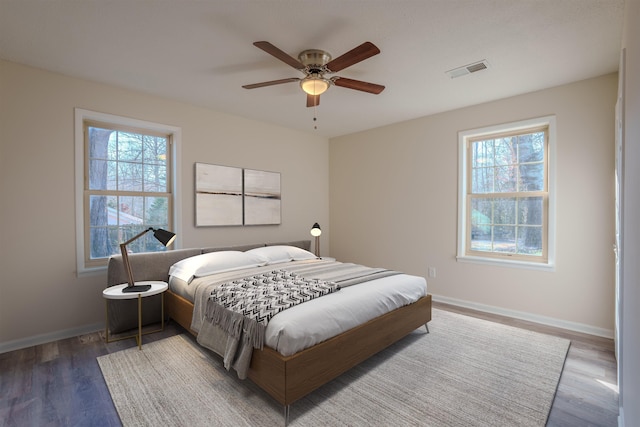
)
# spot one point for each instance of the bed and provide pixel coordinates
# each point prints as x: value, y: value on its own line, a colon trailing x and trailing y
x: 285, y: 377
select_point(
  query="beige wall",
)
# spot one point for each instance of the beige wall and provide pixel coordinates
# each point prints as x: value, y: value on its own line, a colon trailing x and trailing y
x: 393, y: 197
x: 393, y: 203
x: 41, y: 296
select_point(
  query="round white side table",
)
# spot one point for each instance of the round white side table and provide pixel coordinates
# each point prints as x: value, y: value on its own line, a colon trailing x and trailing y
x: 115, y: 292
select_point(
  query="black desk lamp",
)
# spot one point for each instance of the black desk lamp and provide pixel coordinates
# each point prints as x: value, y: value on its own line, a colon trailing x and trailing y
x: 165, y: 237
x: 316, y: 232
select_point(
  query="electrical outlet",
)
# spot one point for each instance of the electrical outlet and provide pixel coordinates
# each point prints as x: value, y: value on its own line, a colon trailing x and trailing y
x: 432, y: 272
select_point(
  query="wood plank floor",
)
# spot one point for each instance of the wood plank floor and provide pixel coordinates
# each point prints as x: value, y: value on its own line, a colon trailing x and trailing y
x: 60, y: 383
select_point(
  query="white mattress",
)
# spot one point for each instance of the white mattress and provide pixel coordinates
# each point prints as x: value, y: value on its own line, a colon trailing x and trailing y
x: 308, y: 324
x: 312, y: 322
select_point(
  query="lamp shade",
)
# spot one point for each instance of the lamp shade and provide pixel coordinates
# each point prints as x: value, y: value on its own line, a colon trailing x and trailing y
x: 165, y: 237
x: 315, y: 230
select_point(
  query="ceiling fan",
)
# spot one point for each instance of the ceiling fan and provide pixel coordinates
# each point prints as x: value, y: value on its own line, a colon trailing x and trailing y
x: 315, y: 64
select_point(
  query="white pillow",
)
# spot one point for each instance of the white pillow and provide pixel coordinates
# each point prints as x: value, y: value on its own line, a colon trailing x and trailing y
x: 276, y: 254
x: 214, y: 262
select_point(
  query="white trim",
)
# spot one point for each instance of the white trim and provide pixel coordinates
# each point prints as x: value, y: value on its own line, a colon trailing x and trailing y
x: 522, y: 315
x: 50, y: 337
x: 463, y: 136
x: 176, y: 178
x: 507, y: 263
x: 80, y: 116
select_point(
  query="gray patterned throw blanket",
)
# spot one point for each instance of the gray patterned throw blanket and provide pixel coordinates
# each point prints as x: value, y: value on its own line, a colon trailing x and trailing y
x: 245, y: 306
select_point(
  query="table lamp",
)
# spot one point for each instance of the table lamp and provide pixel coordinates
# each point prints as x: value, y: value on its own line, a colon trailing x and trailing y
x: 316, y: 232
x: 165, y: 237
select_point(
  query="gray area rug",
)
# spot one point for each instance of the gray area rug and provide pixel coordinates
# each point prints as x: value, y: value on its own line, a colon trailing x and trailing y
x: 466, y: 372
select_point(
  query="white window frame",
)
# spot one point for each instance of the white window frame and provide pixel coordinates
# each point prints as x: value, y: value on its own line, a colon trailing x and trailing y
x: 463, y: 139
x: 82, y: 115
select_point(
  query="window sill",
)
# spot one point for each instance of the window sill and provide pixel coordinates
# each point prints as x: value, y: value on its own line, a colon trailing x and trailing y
x: 91, y: 271
x: 550, y: 266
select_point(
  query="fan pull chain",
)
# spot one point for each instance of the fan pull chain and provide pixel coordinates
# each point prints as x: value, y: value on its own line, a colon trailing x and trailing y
x: 315, y: 118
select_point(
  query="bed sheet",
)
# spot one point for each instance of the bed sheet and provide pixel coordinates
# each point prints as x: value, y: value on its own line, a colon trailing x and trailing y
x: 314, y: 321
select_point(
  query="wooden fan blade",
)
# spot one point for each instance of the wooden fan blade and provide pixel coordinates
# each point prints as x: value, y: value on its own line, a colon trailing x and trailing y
x: 271, y: 83
x: 282, y: 56
x: 355, y: 55
x: 358, y: 85
x: 313, y: 100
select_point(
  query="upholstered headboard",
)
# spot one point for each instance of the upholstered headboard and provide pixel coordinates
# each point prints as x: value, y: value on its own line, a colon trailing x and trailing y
x: 123, y: 314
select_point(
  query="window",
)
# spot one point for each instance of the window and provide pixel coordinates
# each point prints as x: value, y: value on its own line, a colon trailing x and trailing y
x: 506, y: 202
x: 127, y: 186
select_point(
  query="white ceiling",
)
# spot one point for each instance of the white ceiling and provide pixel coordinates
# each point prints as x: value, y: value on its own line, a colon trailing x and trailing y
x: 201, y: 52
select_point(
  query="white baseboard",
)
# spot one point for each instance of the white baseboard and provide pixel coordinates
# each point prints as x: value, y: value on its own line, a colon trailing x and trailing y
x: 543, y: 320
x: 45, y: 338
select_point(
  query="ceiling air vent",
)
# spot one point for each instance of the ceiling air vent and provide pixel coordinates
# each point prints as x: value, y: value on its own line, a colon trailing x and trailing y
x: 468, y: 69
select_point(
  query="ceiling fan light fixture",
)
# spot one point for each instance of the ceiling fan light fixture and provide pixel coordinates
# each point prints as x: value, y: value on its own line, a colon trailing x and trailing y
x: 314, y: 84
x: 315, y: 63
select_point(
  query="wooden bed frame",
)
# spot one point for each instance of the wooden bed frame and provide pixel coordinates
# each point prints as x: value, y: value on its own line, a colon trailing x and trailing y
x: 289, y: 378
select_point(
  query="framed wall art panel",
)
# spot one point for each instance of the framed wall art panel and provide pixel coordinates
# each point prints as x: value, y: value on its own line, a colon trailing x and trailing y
x: 262, y: 197
x: 218, y: 195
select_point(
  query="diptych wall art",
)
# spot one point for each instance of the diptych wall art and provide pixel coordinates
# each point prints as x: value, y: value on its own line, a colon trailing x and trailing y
x: 261, y: 197
x: 234, y: 196
x: 218, y: 195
